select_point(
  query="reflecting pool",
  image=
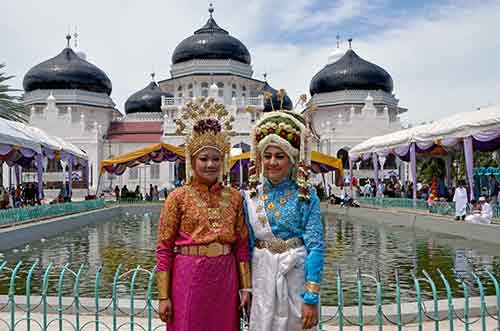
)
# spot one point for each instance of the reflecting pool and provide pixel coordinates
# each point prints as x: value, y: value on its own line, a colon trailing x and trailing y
x: 380, y: 251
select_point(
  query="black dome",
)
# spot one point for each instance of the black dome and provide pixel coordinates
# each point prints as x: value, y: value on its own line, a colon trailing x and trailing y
x: 211, y: 42
x: 276, y: 102
x: 147, y: 100
x: 351, y: 72
x: 67, y: 71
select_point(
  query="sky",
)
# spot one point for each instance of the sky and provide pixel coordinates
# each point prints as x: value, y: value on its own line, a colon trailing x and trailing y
x: 443, y: 55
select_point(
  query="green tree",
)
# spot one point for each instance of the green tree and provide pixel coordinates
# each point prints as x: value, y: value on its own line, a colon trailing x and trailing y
x: 11, y: 107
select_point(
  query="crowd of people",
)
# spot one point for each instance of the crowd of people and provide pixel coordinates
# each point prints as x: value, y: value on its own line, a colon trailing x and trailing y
x: 19, y: 196
x: 153, y: 194
x: 26, y: 195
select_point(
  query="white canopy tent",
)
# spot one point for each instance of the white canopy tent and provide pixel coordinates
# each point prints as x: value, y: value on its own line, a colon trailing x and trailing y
x: 476, y: 130
x: 20, y: 144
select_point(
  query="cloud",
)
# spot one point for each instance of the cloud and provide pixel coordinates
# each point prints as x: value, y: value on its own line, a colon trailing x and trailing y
x: 442, y: 57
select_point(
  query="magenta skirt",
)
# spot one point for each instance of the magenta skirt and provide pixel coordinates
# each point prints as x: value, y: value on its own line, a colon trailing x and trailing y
x: 204, y: 294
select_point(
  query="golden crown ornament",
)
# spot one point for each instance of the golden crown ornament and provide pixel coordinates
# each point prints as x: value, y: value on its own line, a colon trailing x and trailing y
x: 205, y: 123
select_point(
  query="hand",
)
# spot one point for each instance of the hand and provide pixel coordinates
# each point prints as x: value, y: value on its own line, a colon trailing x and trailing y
x: 245, y: 300
x: 309, y: 316
x: 165, y: 310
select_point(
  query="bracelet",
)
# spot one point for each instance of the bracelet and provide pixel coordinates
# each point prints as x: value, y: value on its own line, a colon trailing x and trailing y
x: 312, y: 287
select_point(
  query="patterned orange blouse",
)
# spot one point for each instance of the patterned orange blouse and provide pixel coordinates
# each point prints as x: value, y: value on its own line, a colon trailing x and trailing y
x: 198, y: 215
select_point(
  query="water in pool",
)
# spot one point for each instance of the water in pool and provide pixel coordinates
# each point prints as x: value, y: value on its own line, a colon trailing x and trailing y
x: 351, y: 245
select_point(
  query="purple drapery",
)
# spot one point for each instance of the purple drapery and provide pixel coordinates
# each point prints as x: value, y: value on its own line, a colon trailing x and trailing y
x: 70, y: 176
x: 39, y: 174
x: 375, y: 172
x: 351, y: 174
x: 469, y: 164
x: 413, y: 167
x: 5, y: 149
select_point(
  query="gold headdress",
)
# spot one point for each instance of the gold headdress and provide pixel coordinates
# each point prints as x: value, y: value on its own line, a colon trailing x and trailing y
x: 205, y: 124
x: 288, y: 130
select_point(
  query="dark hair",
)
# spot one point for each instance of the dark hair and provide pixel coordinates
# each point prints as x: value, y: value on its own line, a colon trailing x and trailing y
x: 473, y: 201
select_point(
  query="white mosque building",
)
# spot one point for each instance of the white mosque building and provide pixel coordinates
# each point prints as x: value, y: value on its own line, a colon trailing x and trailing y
x: 71, y: 98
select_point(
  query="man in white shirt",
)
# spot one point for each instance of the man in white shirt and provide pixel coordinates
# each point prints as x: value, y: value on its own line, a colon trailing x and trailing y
x: 486, y: 211
x: 460, y: 199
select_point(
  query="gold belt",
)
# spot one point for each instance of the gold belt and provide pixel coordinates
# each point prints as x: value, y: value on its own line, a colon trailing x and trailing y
x: 278, y: 246
x: 212, y: 249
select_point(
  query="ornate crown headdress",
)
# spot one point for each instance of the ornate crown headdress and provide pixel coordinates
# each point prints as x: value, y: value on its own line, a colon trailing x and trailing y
x: 289, y: 131
x: 206, y: 124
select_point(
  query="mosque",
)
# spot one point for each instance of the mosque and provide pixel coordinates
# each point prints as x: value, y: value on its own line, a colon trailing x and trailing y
x: 70, y: 97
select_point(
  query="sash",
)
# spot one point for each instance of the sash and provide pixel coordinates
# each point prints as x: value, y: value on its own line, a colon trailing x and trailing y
x: 258, y: 218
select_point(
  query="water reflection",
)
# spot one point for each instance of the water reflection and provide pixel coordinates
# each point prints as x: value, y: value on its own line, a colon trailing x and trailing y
x: 351, y: 245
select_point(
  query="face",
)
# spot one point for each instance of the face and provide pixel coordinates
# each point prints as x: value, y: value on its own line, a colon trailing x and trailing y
x: 207, y: 165
x: 276, y: 163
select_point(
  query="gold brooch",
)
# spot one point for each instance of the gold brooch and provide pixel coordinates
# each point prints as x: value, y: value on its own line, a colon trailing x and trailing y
x: 271, y: 206
x: 288, y: 193
x: 263, y: 220
x: 264, y: 197
x: 283, y: 200
x: 277, y: 214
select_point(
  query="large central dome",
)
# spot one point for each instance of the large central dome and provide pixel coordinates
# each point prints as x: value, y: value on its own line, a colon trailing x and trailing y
x: 351, y: 72
x: 211, y: 42
x: 67, y: 71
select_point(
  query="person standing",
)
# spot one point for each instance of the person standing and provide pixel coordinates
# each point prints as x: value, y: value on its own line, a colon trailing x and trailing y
x: 493, y: 189
x: 283, y: 212
x: 460, y: 199
x: 117, y: 193
x: 202, y: 251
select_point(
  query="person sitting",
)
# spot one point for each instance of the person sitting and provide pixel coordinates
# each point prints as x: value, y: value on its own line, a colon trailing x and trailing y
x: 475, y: 215
x: 486, y: 211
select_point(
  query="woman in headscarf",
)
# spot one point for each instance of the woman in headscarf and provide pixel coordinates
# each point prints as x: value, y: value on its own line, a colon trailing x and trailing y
x: 286, y: 231
x: 202, y: 251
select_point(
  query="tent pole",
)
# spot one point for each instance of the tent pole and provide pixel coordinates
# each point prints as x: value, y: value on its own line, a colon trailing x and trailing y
x: 98, y: 186
x: 413, y: 167
x: 352, y: 177
x: 469, y: 164
x: 375, y: 173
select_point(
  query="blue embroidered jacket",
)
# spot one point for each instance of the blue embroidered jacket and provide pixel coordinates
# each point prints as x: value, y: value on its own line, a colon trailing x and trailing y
x: 297, y: 219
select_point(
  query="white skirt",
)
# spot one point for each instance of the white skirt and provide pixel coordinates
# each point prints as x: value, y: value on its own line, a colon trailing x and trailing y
x: 278, y: 282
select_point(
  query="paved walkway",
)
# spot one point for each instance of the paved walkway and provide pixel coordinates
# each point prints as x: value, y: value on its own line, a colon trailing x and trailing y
x: 87, y: 323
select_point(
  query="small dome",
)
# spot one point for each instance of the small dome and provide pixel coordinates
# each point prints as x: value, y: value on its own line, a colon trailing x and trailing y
x: 351, y: 72
x: 211, y: 42
x: 147, y: 100
x: 67, y: 71
x: 276, y: 102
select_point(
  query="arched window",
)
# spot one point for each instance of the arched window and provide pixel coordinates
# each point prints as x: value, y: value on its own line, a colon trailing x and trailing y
x: 204, y: 89
x: 179, y: 89
x: 220, y: 85
x: 190, y: 86
x: 243, y: 88
x: 233, y: 94
x: 234, y: 86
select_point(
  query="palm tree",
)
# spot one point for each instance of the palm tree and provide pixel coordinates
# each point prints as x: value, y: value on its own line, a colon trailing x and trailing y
x: 11, y: 107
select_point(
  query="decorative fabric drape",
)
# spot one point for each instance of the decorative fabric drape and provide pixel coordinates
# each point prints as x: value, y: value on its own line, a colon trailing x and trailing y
x: 469, y: 164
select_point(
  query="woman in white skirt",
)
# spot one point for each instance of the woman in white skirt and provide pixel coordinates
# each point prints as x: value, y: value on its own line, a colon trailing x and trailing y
x: 286, y: 232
